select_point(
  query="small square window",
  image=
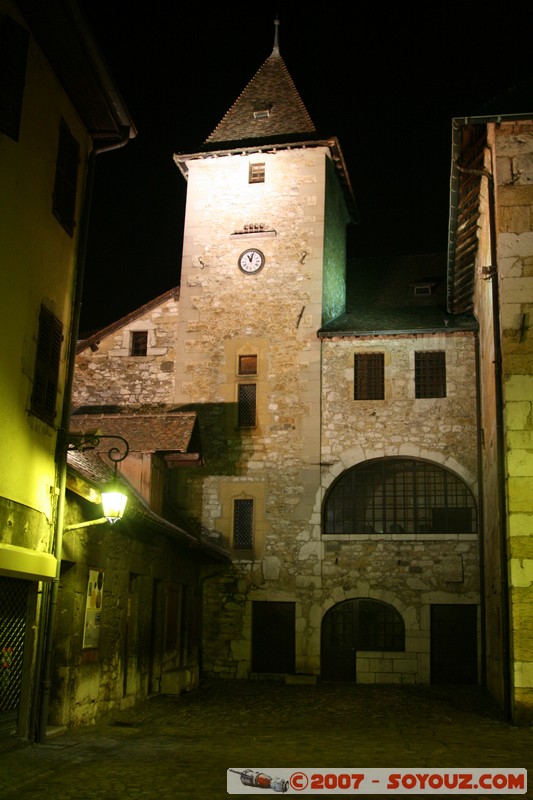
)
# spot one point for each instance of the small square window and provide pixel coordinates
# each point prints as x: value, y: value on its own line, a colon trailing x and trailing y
x: 247, y: 365
x: 369, y: 376
x: 256, y: 173
x: 430, y: 374
x: 243, y: 524
x: 139, y: 343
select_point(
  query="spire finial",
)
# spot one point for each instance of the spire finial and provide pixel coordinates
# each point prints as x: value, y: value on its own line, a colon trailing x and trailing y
x: 275, y: 49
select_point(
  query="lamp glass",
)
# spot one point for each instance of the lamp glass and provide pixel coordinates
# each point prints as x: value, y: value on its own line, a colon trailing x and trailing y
x: 113, y: 503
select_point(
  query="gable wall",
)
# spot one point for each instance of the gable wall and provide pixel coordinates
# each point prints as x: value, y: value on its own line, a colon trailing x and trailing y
x: 111, y: 376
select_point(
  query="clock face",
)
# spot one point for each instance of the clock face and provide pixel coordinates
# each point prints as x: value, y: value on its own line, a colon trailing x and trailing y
x: 251, y: 261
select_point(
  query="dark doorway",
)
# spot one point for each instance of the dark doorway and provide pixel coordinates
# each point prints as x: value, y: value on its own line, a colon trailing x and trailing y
x: 338, y: 643
x: 157, y: 635
x: 273, y: 644
x: 454, y: 644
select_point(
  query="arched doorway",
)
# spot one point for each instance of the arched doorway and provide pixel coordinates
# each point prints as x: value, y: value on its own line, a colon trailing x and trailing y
x: 357, y: 625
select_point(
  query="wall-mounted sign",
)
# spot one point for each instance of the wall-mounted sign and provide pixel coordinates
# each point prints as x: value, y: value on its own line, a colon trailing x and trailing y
x: 93, y: 608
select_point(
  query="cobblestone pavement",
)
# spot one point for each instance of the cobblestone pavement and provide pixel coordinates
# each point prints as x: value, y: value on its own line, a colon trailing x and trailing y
x: 181, y: 747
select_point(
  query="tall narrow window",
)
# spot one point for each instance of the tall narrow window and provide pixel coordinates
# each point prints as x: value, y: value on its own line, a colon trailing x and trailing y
x: 243, y: 524
x: 46, y: 372
x: 247, y: 405
x: 256, y: 173
x: 430, y: 374
x: 369, y: 374
x: 13, y: 55
x: 139, y: 343
x: 66, y: 178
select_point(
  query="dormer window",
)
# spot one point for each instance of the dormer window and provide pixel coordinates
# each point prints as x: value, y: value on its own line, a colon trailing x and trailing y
x: 256, y: 173
x: 423, y: 289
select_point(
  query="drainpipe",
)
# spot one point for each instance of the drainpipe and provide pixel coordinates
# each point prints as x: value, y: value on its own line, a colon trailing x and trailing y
x: 502, y: 497
x: 50, y: 613
x: 481, y: 510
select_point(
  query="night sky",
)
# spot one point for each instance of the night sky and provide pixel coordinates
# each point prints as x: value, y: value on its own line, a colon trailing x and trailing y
x: 387, y: 85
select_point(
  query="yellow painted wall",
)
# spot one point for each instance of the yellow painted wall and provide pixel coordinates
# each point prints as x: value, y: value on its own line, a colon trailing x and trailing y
x: 37, y: 263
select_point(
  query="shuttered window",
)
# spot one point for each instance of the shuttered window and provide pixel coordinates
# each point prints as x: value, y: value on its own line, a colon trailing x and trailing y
x: 46, y: 372
x: 369, y: 371
x: 430, y: 374
x: 66, y: 178
x: 13, y: 56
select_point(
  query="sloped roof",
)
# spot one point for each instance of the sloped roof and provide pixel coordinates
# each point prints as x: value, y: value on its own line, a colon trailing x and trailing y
x: 381, y: 298
x: 469, y: 141
x: 64, y: 35
x: 173, y: 432
x: 268, y: 109
x: 87, y: 471
x: 269, y: 115
x: 96, y: 337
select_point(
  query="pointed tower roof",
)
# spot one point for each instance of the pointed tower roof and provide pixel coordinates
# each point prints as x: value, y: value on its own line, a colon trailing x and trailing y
x: 268, y: 109
x: 269, y: 115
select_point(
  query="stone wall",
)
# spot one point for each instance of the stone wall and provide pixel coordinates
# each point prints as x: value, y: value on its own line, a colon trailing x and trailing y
x: 146, y: 643
x: 514, y: 197
x: 108, y: 375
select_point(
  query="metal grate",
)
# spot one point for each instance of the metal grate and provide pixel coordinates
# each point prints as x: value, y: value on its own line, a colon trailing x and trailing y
x: 13, y: 613
x: 430, y: 374
x: 397, y: 495
x: 247, y: 405
x: 369, y: 376
x: 381, y: 626
x: 243, y: 524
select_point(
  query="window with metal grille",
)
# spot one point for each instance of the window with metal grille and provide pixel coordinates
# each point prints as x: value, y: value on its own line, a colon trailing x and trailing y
x: 14, y: 41
x: 139, y: 343
x: 247, y: 365
x: 430, y: 374
x: 46, y: 371
x: 399, y: 495
x: 247, y: 405
x: 13, y: 615
x: 369, y: 376
x: 243, y: 524
x: 381, y: 627
x: 256, y: 173
x: 66, y: 178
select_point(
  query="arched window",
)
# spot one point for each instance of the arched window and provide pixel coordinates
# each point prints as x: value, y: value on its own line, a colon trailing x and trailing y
x: 399, y: 495
x: 354, y: 626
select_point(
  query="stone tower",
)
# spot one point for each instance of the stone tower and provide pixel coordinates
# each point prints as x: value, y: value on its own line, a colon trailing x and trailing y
x: 264, y: 262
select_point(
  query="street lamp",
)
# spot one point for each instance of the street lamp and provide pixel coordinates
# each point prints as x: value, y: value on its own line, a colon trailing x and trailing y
x: 113, y: 498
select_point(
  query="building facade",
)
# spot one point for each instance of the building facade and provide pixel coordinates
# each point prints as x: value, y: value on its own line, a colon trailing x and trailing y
x: 490, y: 272
x: 58, y: 108
x: 339, y: 431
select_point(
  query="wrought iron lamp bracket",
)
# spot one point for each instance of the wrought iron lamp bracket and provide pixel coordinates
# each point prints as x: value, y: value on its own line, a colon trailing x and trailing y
x: 90, y: 441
